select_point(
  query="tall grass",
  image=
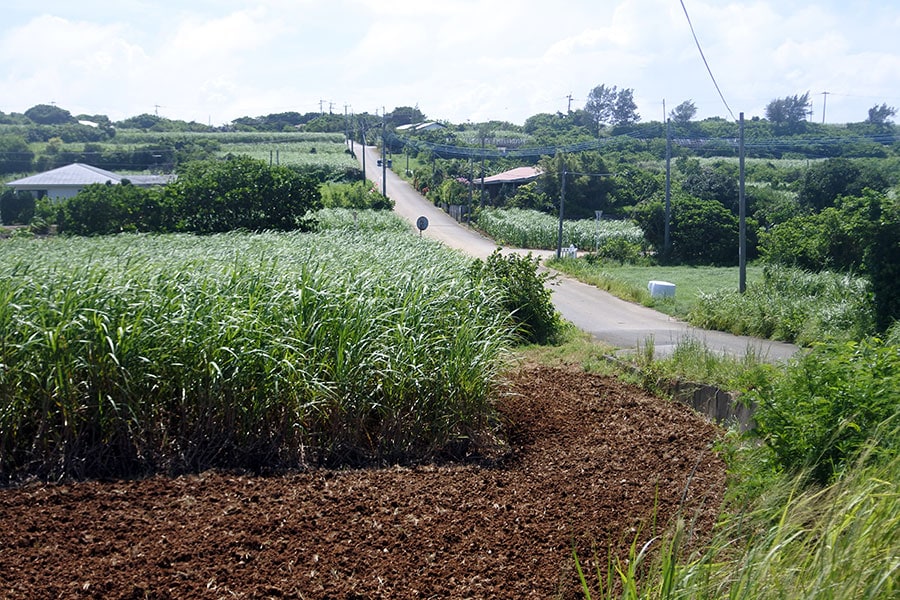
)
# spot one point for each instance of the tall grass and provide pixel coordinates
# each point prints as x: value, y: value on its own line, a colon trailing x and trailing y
x: 839, y: 541
x: 533, y: 229
x: 326, y: 152
x: 780, y: 303
x: 360, y: 220
x: 138, y: 353
x: 792, y: 305
x: 809, y: 514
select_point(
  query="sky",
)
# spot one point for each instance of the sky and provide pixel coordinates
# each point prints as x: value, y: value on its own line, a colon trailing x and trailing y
x: 213, y: 61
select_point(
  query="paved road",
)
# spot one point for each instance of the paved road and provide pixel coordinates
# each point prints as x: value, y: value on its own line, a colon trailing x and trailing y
x: 607, y: 318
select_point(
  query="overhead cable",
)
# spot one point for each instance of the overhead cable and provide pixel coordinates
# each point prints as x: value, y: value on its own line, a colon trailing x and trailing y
x: 708, y: 69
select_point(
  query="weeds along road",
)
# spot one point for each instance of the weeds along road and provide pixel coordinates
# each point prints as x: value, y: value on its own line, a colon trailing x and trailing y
x: 607, y: 318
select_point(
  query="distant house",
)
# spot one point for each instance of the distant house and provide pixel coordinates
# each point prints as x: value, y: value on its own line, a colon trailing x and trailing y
x: 67, y: 181
x: 505, y: 183
x: 516, y: 176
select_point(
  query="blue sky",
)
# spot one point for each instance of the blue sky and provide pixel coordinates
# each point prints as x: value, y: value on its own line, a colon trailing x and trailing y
x: 459, y: 60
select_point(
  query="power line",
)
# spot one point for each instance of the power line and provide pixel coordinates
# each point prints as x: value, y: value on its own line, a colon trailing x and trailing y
x: 708, y: 70
x: 731, y: 143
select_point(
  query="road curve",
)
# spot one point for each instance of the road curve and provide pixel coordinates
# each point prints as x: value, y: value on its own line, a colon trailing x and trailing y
x: 625, y: 325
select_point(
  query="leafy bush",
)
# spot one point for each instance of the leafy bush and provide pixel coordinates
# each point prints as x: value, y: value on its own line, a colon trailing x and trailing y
x: 829, y: 404
x: 703, y: 232
x: 241, y: 193
x: 883, y: 263
x: 16, y: 208
x: 523, y: 294
x: 102, y: 209
x: 358, y: 195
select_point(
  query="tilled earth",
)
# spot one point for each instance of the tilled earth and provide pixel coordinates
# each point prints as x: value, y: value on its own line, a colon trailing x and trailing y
x: 591, y: 460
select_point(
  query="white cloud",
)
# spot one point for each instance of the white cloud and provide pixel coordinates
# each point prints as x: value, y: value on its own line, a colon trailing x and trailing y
x: 458, y: 59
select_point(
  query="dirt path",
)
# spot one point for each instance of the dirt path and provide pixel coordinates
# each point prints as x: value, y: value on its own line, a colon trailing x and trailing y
x: 590, y: 459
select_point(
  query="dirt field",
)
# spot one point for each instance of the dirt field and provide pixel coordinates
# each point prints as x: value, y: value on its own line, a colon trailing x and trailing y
x: 590, y: 459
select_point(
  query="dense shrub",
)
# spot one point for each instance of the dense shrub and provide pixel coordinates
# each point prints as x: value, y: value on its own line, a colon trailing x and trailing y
x: 241, y: 193
x: 523, y: 293
x: 703, y: 232
x: 16, y: 207
x: 359, y: 195
x: 207, y: 197
x: 829, y: 404
x: 884, y: 270
x: 15, y: 155
x: 102, y: 209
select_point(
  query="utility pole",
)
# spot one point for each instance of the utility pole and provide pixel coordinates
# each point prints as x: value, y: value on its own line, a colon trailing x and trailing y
x: 562, y: 203
x: 383, y: 153
x: 570, y: 103
x: 824, y: 102
x: 349, y: 133
x: 667, y: 240
x: 483, y: 135
x: 742, y: 202
x: 362, y: 126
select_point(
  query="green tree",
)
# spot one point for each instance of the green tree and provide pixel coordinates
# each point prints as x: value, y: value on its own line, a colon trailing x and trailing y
x: 15, y: 155
x: 635, y: 185
x: 703, y: 231
x: 824, y: 181
x: 683, y: 113
x: 551, y: 129
x: 718, y: 183
x: 102, y: 209
x: 788, y: 114
x: 881, y: 115
x: 625, y: 110
x: 46, y: 114
x: 529, y: 197
x: 405, y: 115
x: 142, y: 121
x: 16, y: 207
x: 523, y: 294
x: 883, y: 265
x: 242, y: 193
x: 601, y: 104
x: 589, y: 184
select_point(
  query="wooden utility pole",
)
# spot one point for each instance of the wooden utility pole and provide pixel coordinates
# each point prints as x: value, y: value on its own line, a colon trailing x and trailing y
x: 562, y: 203
x: 742, y: 203
x: 667, y: 239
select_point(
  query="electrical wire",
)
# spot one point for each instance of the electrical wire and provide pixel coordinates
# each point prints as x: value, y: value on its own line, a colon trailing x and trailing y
x: 703, y: 56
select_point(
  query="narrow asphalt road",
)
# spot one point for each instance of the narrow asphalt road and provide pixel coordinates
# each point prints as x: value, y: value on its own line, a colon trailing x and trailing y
x: 622, y: 324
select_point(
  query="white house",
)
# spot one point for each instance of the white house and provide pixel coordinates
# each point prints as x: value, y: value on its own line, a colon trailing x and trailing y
x: 67, y: 181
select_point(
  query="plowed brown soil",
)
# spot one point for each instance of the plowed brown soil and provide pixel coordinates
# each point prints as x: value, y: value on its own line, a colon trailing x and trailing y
x: 590, y: 461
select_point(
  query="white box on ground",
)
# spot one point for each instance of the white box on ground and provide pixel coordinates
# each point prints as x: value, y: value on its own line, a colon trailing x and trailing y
x: 661, y: 289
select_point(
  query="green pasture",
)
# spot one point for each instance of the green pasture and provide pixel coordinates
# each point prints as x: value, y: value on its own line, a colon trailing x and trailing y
x: 631, y: 281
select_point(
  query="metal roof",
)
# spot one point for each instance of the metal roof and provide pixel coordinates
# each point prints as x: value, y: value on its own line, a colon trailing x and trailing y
x: 79, y: 175
x: 517, y: 175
